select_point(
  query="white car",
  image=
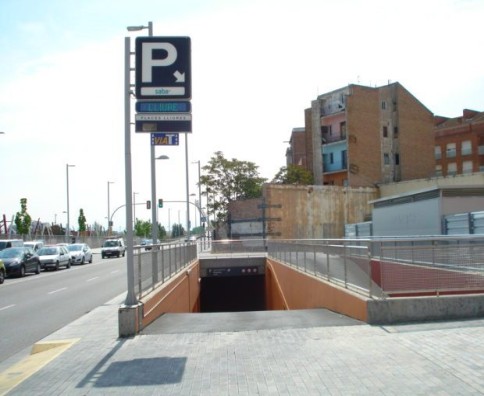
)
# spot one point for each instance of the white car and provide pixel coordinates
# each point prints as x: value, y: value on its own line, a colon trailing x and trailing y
x: 54, y: 257
x: 80, y: 253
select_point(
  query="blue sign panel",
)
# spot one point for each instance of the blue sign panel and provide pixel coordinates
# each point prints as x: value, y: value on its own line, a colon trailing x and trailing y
x: 164, y: 139
x: 163, y: 107
x: 163, y: 68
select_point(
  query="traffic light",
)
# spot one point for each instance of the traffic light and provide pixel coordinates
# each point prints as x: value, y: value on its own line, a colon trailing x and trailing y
x: 160, y: 203
x: 148, y: 204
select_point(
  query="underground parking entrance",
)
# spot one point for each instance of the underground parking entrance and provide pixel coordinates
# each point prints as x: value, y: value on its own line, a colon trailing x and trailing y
x: 232, y: 285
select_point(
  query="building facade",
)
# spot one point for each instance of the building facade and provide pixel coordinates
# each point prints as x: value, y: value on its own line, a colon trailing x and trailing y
x: 459, y: 144
x: 296, y: 153
x: 362, y: 136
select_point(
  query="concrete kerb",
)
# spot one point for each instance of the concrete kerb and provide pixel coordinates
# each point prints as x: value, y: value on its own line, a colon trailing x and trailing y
x: 422, y: 309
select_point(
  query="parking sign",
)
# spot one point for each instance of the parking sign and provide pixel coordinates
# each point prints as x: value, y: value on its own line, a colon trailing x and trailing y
x: 163, y: 68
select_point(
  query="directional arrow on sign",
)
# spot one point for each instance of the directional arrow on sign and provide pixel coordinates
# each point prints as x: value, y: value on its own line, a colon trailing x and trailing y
x: 180, y: 77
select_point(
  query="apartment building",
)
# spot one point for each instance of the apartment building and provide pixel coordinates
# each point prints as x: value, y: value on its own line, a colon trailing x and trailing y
x: 459, y: 144
x: 296, y: 152
x: 363, y: 136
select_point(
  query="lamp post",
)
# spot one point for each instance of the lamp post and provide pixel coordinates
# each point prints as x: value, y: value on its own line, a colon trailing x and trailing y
x: 154, y: 225
x: 109, y: 211
x: 131, y: 300
x: 68, y: 229
x: 199, y: 189
x: 134, y: 208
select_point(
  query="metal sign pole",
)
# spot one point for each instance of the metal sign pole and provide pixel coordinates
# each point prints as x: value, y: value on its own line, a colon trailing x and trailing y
x: 131, y: 296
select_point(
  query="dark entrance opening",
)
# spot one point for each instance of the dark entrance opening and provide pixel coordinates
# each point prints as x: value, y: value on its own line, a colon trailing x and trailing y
x: 232, y: 293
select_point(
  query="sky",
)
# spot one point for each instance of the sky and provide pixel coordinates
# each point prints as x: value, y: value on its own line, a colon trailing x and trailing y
x: 256, y: 65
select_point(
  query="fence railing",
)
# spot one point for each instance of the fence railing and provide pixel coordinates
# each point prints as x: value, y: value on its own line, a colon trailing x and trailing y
x: 378, y: 268
x: 155, y: 264
x: 390, y: 267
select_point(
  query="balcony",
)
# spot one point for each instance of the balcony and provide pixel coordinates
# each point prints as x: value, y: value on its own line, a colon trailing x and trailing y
x: 335, y: 166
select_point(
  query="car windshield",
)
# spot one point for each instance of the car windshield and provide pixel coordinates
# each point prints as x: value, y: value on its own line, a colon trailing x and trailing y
x: 110, y: 243
x: 11, y: 252
x: 47, y: 251
x: 74, y: 248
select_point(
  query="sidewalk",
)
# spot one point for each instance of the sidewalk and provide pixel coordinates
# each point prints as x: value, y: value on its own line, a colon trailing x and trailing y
x: 356, y: 359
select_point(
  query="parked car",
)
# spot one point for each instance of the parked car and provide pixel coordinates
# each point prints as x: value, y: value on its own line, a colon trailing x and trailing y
x: 113, y: 248
x: 7, y: 243
x: 2, y: 272
x: 54, y: 257
x: 148, y: 243
x: 20, y: 260
x: 80, y: 253
x: 35, y: 245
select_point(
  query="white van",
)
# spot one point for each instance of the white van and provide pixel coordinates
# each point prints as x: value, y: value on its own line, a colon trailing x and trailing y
x: 113, y: 247
x: 35, y: 245
x: 7, y: 243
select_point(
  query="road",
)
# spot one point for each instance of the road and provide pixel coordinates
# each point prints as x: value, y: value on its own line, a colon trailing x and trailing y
x: 33, y: 307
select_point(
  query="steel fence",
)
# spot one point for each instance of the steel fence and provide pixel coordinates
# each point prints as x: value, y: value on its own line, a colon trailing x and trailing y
x: 156, y: 264
x: 390, y: 267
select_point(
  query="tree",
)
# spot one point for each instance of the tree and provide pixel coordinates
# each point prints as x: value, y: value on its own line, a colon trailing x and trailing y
x: 177, y: 230
x: 142, y: 228
x: 82, y: 222
x: 229, y: 180
x: 23, y: 219
x: 293, y: 174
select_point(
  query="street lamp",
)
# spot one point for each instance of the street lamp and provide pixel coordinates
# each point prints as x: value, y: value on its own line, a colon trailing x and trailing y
x: 131, y: 300
x: 154, y: 226
x: 68, y: 230
x: 134, y: 208
x: 109, y: 211
x: 199, y: 189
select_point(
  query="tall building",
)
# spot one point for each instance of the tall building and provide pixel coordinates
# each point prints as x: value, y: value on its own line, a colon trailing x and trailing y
x: 296, y: 152
x: 362, y: 136
x: 459, y: 144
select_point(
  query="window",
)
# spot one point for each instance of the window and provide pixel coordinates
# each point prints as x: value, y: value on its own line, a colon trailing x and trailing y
x: 438, y: 170
x: 331, y: 158
x: 467, y: 167
x: 395, y: 132
x: 383, y: 105
x: 450, y: 150
x: 386, y: 159
x: 343, y: 159
x: 451, y: 168
x: 397, y: 159
x: 385, y: 131
x: 437, y: 152
x: 342, y: 128
x: 466, y: 147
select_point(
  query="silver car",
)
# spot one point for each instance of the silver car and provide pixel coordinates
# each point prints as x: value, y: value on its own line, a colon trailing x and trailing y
x: 80, y: 253
x: 54, y: 257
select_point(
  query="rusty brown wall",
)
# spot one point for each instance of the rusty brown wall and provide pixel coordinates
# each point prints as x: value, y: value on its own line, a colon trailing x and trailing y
x: 180, y: 294
x: 315, y: 211
x: 302, y: 291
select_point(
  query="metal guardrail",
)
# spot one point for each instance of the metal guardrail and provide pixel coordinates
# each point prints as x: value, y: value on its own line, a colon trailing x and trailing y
x: 377, y: 268
x: 156, y: 264
x: 389, y: 267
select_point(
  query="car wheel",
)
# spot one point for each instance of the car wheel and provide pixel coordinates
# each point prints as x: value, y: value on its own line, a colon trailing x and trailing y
x: 2, y: 276
x: 102, y: 256
x: 22, y: 271
x: 83, y: 261
x: 68, y: 264
x: 37, y: 269
x: 124, y: 253
x: 90, y: 259
x: 57, y: 266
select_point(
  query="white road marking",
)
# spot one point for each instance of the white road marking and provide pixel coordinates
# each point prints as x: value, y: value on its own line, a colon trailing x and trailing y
x: 58, y: 290
x: 7, y: 307
x: 89, y: 280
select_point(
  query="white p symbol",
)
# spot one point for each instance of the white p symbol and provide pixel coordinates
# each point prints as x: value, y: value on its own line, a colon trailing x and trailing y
x: 148, y: 62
